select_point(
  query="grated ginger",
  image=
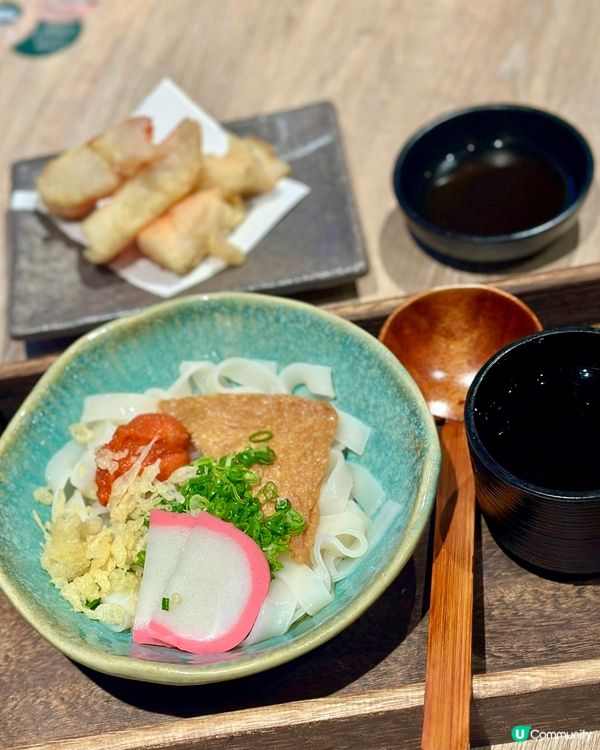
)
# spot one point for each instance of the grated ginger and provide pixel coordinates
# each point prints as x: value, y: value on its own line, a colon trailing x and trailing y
x: 43, y: 495
x: 95, y: 557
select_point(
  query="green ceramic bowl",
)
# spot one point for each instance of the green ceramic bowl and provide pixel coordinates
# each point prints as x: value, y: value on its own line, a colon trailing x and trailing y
x: 144, y: 350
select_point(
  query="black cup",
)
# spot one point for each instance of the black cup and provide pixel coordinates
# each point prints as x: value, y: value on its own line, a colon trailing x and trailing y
x: 532, y: 418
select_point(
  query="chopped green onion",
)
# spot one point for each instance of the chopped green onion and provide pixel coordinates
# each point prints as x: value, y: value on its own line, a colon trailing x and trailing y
x: 197, y: 502
x: 224, y: 488
x: 268, y: 492
x: 92, y: 603
x: 140, y: 558
x: 262, y: 454
x: 165, y: 603
x: 261, y: 436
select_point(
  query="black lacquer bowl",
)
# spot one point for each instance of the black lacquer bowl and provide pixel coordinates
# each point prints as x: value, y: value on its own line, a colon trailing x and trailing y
x: 493, y: 184
x: 532, y: 418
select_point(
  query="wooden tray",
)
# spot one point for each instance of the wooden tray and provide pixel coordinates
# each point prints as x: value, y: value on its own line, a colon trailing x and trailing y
x: 536, y: 653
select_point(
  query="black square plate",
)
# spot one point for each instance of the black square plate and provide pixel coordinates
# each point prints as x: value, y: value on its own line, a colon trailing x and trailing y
x: 54, y: 293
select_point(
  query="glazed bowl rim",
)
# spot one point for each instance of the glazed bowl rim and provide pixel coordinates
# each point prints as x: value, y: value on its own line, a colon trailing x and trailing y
x: 170, y: 673
x: 480, y: 451
x: 448, y: 235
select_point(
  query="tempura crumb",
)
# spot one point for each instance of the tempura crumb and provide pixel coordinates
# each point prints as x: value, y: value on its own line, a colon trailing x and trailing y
x: 43, y: 495
x: 81, y: 433
x: 95, y: 557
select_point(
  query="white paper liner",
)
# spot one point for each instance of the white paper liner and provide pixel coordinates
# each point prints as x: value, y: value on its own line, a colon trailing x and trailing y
x: 167, y: 105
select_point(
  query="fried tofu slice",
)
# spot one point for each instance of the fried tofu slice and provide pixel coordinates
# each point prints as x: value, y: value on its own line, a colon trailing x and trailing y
x: 190, y: 230
x: 249, y: 168
x: 303, y: 431
x: 146, y: 196
x: 72, y: 184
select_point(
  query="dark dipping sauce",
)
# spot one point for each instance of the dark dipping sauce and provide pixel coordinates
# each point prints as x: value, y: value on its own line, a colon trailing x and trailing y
x: 545, y: 430
x: 498, y: 191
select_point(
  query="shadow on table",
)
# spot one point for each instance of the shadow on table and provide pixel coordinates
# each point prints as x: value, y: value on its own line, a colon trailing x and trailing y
x: 414, y: 267
x: 360, y: 653
x: 349, y: 656
x: 340, y: 294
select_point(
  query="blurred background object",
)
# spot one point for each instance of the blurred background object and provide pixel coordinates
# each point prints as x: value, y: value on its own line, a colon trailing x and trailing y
x: 41, y: 27
x: 388, y: 72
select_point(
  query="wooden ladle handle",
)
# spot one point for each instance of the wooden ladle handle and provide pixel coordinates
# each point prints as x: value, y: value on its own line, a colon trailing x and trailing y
x: 448, y: 680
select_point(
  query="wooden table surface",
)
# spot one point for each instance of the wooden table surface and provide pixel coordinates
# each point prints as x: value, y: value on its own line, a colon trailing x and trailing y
x: 389, y: 66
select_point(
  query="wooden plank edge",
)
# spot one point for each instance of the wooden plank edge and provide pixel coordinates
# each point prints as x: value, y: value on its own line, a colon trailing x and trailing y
x: 384, y: 704
x: 565, y: 297
x: 29, y: 368
x: 547, y: 293
x: 379, y: 712
x: 535, y: 679
x: 249, y: 722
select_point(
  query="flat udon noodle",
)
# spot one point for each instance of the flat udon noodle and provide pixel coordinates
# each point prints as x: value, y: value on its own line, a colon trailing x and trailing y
x: 103, y: 412
x: 302, y: 429
x: 234, y: 374
x: 117, y: 407
x: 341, y: 541
x: 283, y: 606
x: 341, y: 536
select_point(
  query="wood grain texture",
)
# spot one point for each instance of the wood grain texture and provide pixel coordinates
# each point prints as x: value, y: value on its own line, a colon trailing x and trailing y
x: 388, y: 72
x: 340, y: 696
x: 560, y: 297
x: 446, y: 722
x: 535, y: 660
x: 443, y: 337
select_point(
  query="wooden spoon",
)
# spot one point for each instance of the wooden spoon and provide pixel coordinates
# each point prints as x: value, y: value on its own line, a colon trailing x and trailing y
x: 443, y: 337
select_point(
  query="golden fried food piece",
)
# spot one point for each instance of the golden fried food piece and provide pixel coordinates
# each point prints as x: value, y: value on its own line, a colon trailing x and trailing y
x: 146, y: 196
x: 128, y: 147
x: 190, y: 230
x: 249, y: 168
x: 303, y: 431
x: 71, y: 184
